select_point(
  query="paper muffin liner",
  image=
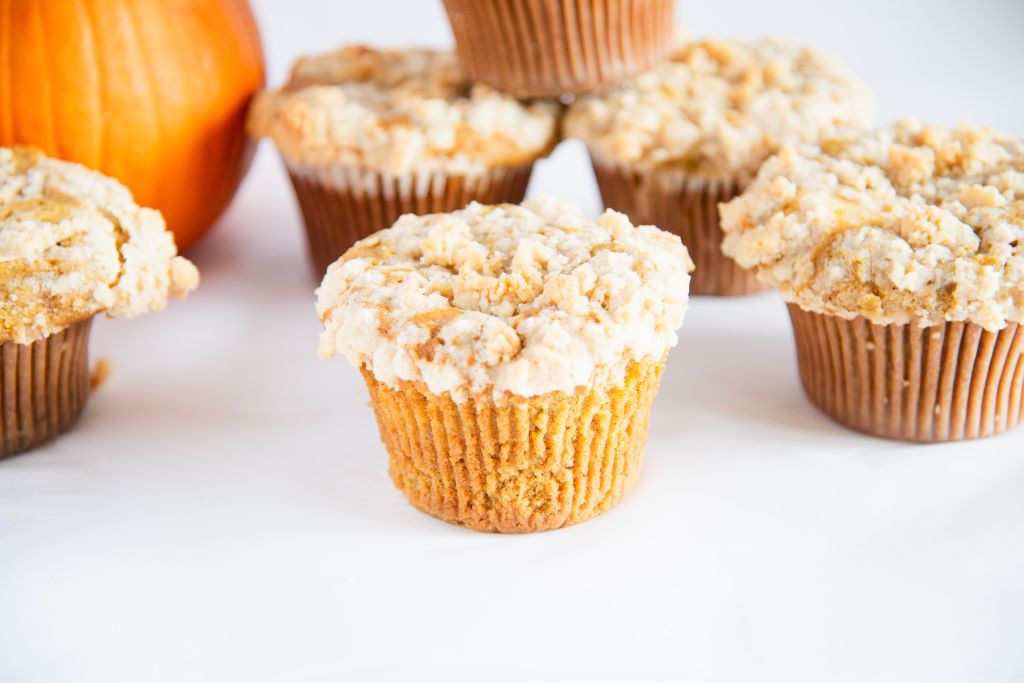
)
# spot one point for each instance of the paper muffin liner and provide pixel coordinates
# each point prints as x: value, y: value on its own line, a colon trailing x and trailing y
x: 518, y: 465
x: 43, y: 387
x: 686, y: 206
x: 942, y: 383
x: 546, y: 48
x: 342, y: 205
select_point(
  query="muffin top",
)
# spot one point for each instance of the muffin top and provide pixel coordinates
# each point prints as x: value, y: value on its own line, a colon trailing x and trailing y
x: 718, y: 108
x: 73, y: 243
x: 506, y: 299
x: 399, y: 111
x: 906, y: 224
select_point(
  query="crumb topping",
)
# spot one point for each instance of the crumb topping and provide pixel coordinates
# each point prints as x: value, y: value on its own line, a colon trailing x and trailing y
x: 73, y: 243
x: 909, y: 223
x: 507, y: 299
x: 399, y: 111
x: 718, y: 108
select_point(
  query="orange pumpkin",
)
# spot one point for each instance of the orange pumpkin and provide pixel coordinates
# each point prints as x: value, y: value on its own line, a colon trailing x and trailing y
x: 152, y: 92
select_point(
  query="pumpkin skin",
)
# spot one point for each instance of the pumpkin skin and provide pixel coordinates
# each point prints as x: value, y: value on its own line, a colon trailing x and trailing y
x: 151, y: 92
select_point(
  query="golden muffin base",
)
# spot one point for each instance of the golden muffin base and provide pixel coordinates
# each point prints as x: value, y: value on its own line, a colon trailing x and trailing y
x: 43, y: 387
x: 341, y: 206
x: 547, y: 48
x: 685, y: 206
x: 943, y: 383
x: 516, y: 465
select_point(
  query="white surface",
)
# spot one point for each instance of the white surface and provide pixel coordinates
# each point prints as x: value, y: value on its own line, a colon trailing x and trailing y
x: 222, y: 511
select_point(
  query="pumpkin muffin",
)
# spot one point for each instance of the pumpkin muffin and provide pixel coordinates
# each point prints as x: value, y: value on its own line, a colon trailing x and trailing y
x: 901, y: 254
x: 368, y: 135
x: 511, y: 353
x: 73, y: 243
x: 546, y: 48
x: 671, y: 144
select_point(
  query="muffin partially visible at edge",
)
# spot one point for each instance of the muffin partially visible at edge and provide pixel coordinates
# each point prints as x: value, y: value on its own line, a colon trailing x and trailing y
x: 558, y: 47
x: 512, y: 354
x: 73, y: 243
x: 901, y: 254
x: 368, y: 135
x: 671, y: 144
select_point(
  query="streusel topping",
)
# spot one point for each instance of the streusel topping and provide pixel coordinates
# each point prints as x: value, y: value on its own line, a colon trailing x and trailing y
x: 507, y: 299
x: 73, y: 243
x: 718, y: 108
x: 906, y: 224
x: 399, y: 111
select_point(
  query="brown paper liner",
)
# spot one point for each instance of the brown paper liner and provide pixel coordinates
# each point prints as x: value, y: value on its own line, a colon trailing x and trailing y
x: 43, y: 387
x: 516, y: 465
x: 546, y: 48
x: 687, y: 207
x: 341, y: 206
x: 943, y: 383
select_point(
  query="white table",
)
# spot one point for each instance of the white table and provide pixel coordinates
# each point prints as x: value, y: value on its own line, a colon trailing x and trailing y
x: 222, y: 510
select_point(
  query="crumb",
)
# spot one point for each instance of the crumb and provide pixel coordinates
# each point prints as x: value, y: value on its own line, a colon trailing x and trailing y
x: 73, y: 243
x: 718, y: 108
x: 908, y: 223
x: 399, y: 111
x: 100, y: 373
x: 518, y: 299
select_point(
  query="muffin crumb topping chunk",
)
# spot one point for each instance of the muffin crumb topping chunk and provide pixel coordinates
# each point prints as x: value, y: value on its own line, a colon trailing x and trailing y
x: 908, y: 223
x: 73, y: 243
x: 520, y: 300
x: 397, y: 111
x: 718, y: 108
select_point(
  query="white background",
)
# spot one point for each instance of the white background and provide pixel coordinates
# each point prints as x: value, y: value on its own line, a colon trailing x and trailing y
x: 222, y: 510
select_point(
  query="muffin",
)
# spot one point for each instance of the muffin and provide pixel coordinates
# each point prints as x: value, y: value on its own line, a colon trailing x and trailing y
x: 901, y: 255
x: 545, y: 48
x: 511, y: 353
x: 73, y: 243
x: 668, y: 146
x: 368, y: 135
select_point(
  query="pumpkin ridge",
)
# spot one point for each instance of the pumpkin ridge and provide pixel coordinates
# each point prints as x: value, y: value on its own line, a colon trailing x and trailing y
x: 99, y: 97
x: 6, y: 116
x: 151, y: 85
x: 48, y: 105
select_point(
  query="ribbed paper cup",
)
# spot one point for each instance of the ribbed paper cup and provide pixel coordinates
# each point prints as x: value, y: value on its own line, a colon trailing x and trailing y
x: 686, y: 206
x: 942, y: 383
x: 341, y: 205
x: 546, y: 48
x: 43, y: 387
x: 516, y: 465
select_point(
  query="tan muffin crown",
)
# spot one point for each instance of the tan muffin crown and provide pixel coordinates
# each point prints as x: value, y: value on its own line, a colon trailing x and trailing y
x: 73, y: 243
x: 399, y: 111
x: 718, y: 108
x: 908, y: 223
x: 507, y: 299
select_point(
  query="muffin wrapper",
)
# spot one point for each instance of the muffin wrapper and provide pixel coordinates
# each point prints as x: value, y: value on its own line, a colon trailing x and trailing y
x: 521, y: 464
x: 43, y: 387
x: 686, y: 206
x: 342, y: 205
x: 943, y: 383
x: 546, y: 48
